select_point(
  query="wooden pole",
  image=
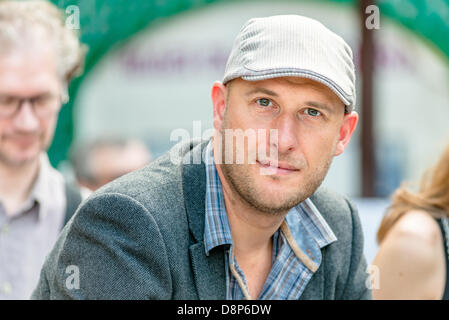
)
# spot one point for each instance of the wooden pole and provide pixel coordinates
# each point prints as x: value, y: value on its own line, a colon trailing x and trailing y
x: 368, y: 161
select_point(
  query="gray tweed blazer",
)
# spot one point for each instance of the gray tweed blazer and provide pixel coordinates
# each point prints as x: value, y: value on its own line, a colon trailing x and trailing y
x: 141, y: 237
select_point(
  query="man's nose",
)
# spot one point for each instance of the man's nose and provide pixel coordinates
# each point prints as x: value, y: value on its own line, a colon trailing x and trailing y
x: 26, y: 119
x: 287, y: 139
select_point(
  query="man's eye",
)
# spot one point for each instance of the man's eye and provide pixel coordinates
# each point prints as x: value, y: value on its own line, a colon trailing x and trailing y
x: 264, y: 102
x: 7, y: 100
x: 312, y: 112
x: 41, y: 100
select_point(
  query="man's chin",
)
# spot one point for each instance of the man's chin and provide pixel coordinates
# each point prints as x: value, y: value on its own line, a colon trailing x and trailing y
x: 19, y: 160
x: 274, y: 203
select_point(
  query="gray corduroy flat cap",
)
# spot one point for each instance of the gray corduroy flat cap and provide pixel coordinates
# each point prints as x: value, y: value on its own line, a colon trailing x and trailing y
x: 292, y: 45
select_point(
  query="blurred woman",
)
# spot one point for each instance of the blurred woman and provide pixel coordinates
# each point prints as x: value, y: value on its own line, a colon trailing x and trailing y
x: 414, y: 239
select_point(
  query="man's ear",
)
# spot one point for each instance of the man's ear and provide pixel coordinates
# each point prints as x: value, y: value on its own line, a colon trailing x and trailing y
x: 219, y: 103
x: 346, y: 130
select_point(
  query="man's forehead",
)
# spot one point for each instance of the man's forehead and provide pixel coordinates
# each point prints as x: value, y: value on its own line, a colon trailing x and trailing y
x: 25, y: 70
x: 274, y: 85
x: 32, y: 52
x: 300, y: 81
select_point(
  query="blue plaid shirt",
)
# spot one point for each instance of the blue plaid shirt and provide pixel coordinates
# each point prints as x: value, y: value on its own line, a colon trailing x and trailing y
x: 296, y: 244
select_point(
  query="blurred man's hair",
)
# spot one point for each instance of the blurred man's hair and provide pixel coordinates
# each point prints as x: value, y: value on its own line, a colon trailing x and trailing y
x: 81, y: 156
x: 27, y: 23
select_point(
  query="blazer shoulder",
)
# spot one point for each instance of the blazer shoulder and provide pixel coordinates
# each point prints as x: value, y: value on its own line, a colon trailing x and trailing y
x: 342, y: 217
x: 345, y: 265
x: 338, y: 211
x: 108, y: 238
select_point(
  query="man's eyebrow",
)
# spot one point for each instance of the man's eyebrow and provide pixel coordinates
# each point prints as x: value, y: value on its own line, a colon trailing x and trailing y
x: 262, y: 90
x: 38, y: 95
x: 320, y: 105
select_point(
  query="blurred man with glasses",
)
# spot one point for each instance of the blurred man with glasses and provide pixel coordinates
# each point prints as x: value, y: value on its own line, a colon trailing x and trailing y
x: 38, y: 59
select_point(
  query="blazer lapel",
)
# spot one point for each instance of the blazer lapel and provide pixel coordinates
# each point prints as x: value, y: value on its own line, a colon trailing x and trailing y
x: 209, y: 271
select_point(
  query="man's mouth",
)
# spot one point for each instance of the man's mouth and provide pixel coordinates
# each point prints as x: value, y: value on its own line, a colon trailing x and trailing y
x: 277, y: 167
x: 23, y: 140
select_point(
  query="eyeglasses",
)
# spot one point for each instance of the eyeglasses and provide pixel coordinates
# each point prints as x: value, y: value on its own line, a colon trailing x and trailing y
x: 43, y: 105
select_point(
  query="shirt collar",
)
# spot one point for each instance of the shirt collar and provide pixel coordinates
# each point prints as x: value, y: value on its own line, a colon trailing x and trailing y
x: 41, y: 189
x: 42, y: 192
x: 307, y: 233
x: 216, y: 229
x: 304, y: 223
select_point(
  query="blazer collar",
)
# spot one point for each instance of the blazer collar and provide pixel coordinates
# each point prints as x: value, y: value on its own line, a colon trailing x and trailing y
x: 209, y: 271
x: 194, y: 189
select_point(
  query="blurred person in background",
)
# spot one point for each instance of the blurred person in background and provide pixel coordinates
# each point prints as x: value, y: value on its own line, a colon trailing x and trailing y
x: 38, y: 59
x: 102, y: 161
x: 414, y: 239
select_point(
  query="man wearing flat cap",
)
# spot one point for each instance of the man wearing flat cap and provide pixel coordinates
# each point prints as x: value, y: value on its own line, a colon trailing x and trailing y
x: 248, y: 220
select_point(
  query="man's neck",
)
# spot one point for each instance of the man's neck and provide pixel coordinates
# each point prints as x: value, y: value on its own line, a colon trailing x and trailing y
x: 16, y: 184
x: 251, y: 230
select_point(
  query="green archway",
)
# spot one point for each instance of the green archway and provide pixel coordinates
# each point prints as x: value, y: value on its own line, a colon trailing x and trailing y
x: 107, y: 23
